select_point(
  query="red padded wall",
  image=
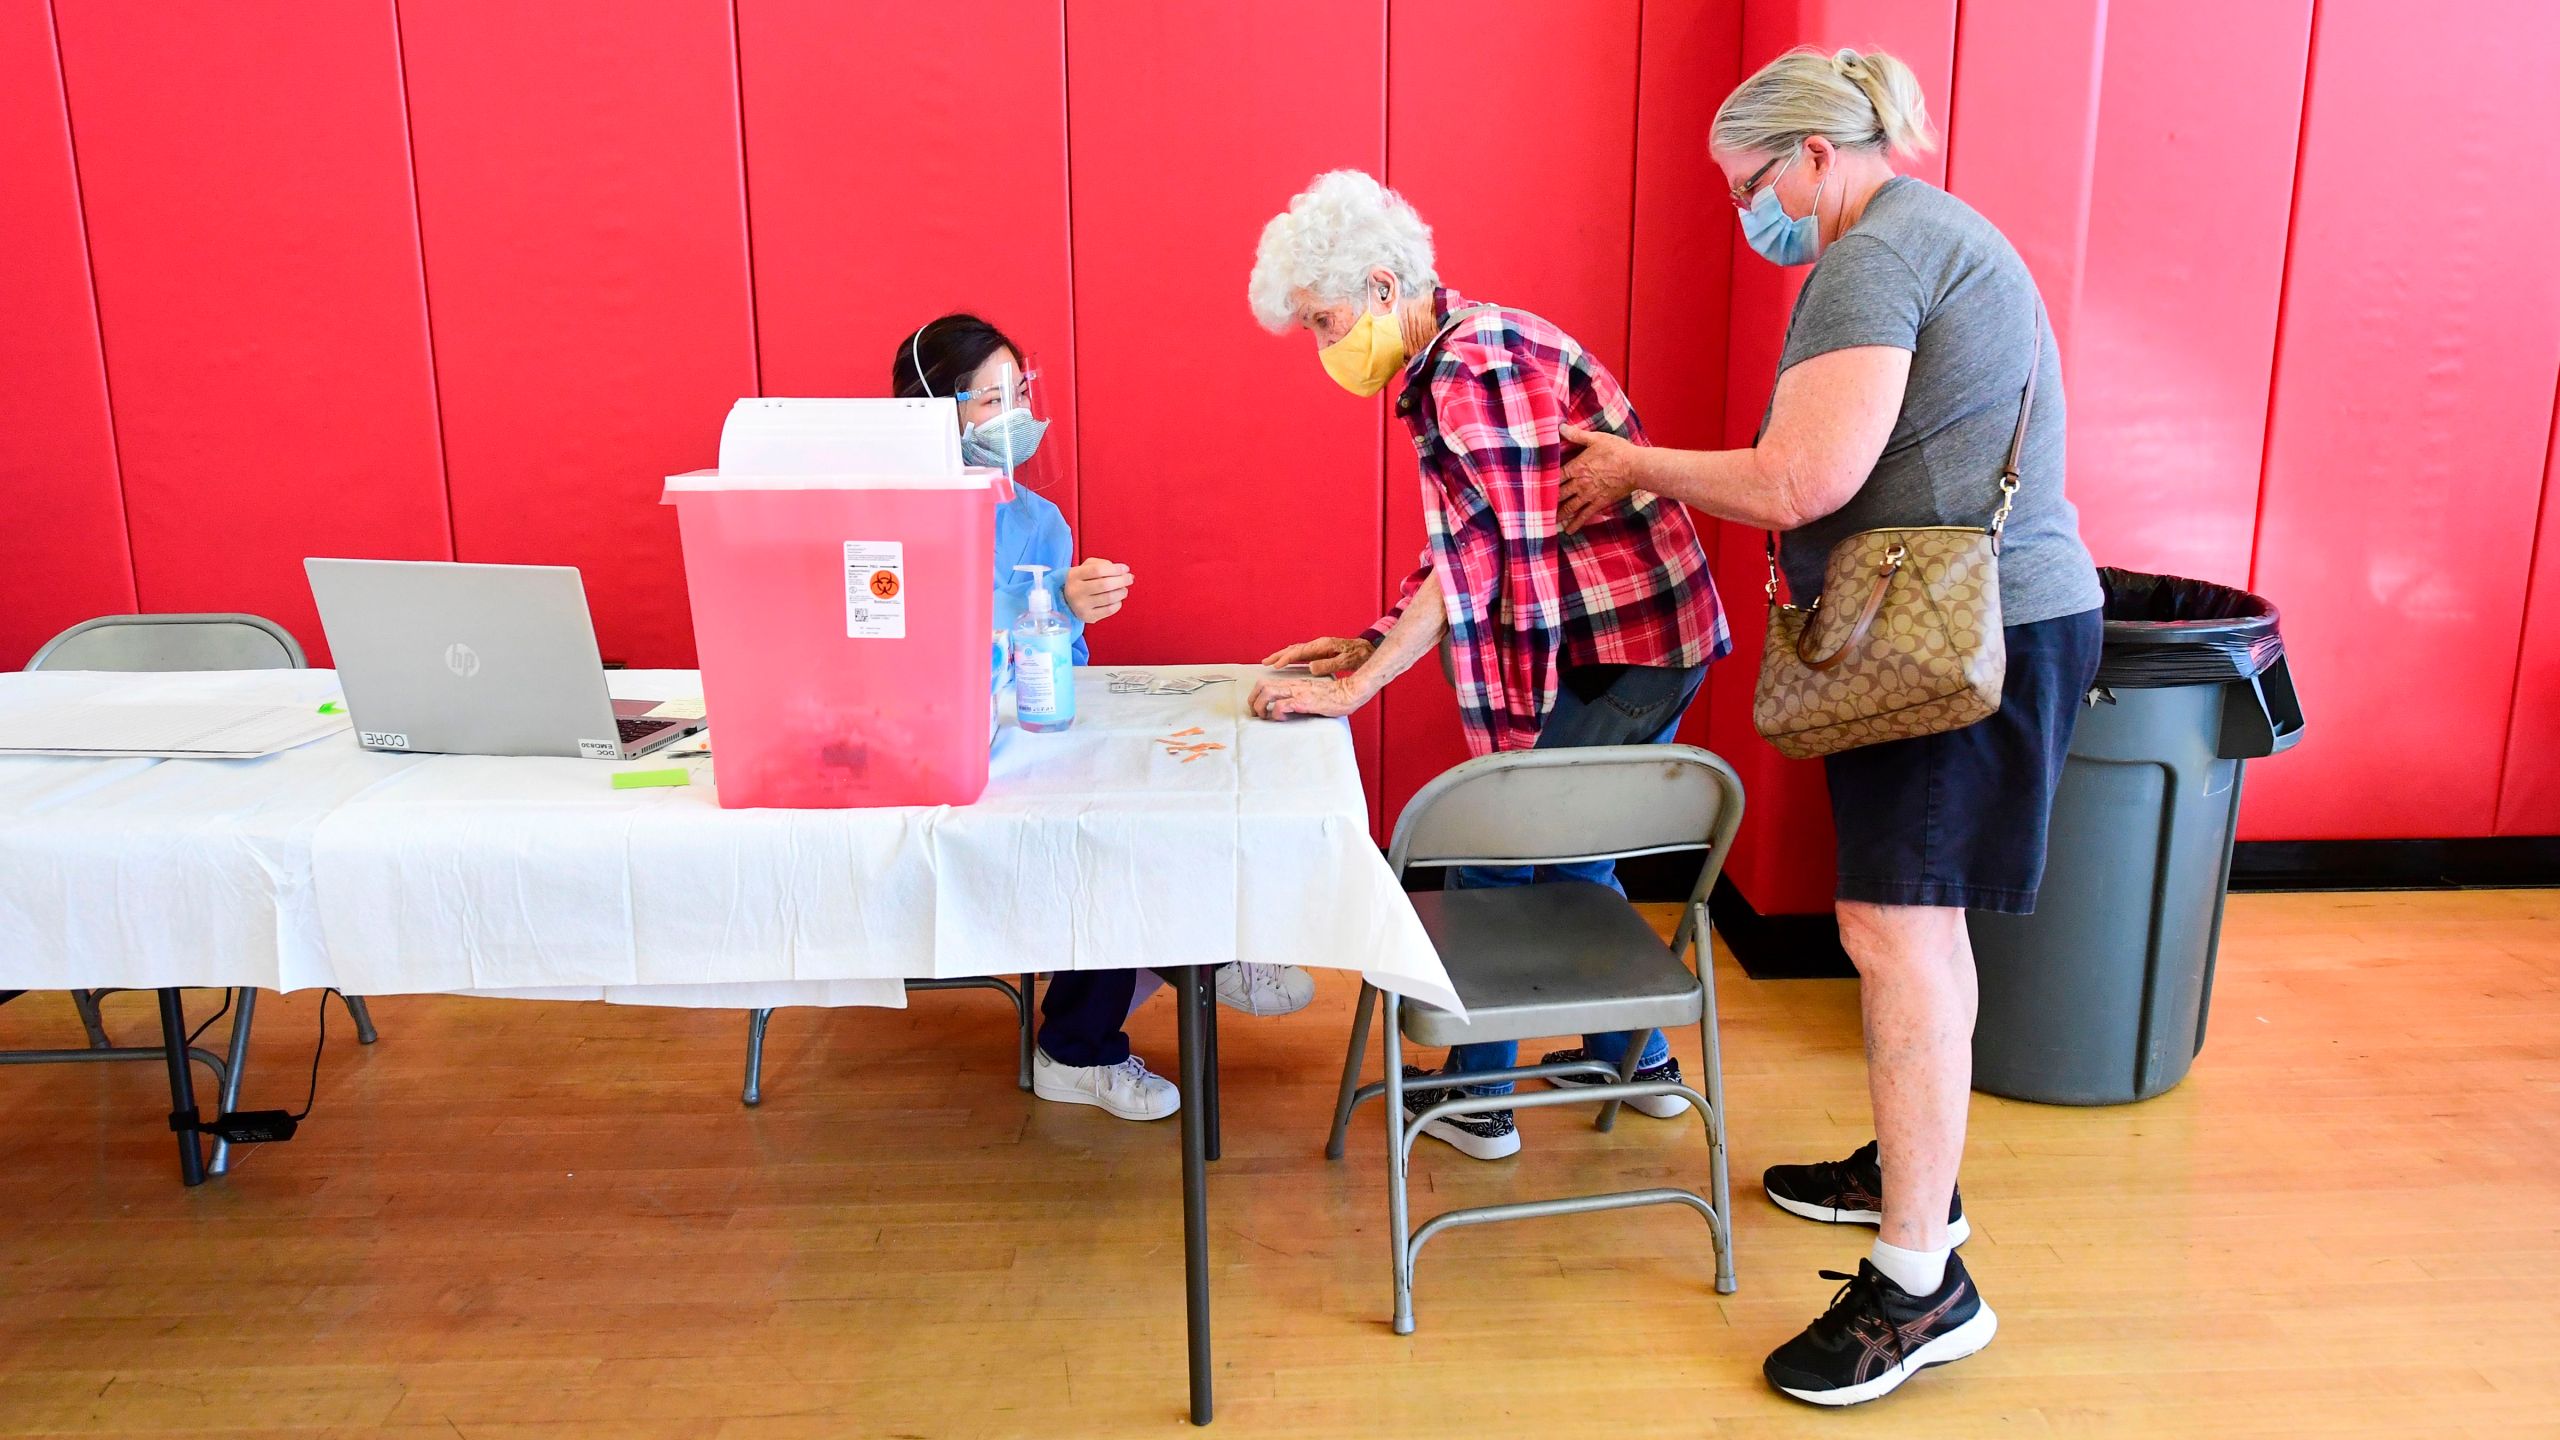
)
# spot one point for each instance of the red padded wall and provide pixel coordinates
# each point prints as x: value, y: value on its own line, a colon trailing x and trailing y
x: 589, y: 291
x: 245, y: 174
x: 1219, y: 462
x: 2529, y: 795
x: 2173, y: 346
x: 227, y: 351
x: 937, y: 183
x: 1535, y: 215
x: 2414, y: 373
x: 1782, y: 860
x: 1689, y: 57
x: 62, y: 554
x: 2026, y: 89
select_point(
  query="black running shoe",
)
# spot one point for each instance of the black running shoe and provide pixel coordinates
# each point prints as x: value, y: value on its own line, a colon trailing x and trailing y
x: 1660, y: 1107
x: 1847, y: 1192
x: 1877, y: 1335
x: 1479, y: 1137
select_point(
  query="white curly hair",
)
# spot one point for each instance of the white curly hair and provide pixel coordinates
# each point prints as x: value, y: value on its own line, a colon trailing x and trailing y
x: 1322, y: 248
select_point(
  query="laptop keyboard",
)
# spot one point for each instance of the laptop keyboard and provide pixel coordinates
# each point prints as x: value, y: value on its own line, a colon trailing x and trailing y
x: 640, y: 727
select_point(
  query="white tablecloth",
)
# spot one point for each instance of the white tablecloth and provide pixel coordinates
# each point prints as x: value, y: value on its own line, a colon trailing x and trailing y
x: 387, y: 874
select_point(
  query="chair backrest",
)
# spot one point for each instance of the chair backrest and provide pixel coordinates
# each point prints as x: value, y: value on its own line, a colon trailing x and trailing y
x: 1544, y: 807
x: 171, y: 642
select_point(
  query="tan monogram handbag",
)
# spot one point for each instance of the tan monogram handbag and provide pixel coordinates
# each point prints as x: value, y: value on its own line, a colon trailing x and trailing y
x: 1906, y: 637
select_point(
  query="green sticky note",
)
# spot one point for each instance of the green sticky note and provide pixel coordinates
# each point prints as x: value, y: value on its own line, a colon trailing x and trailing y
x: 652, y: 779
x: 332, y: 707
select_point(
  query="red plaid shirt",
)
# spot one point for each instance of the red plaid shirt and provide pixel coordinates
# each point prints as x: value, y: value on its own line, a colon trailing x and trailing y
x: 1524, y: 599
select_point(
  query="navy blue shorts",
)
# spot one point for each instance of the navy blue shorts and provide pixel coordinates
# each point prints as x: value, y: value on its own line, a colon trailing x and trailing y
x: 1959, y: 819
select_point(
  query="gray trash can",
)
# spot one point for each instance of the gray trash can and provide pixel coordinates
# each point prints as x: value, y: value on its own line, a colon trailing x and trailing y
x: 2099, y: 998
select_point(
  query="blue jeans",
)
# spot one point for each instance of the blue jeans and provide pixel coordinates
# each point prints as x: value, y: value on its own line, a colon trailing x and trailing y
x: 1641, y: 705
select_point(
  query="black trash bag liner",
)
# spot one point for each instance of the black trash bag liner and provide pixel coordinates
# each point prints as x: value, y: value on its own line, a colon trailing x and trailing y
x: 2162, y: 631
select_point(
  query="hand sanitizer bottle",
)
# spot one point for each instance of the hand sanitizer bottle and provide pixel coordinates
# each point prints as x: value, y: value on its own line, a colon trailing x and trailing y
x: 1044, y: 650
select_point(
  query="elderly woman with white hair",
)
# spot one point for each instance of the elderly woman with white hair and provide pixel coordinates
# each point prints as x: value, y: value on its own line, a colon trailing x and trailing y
x: 1918, y: 408
x: 1598, y: 637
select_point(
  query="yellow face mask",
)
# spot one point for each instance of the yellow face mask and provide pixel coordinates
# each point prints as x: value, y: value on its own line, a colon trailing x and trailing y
x: 1368, y: 355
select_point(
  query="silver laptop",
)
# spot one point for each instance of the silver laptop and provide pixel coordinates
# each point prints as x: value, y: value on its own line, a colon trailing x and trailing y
x: 476, y: 660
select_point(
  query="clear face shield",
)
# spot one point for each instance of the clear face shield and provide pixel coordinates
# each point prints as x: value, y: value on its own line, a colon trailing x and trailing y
x: 1010, y: 432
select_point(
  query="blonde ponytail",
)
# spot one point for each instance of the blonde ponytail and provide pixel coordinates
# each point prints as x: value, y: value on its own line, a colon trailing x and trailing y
x: 1868, y: 101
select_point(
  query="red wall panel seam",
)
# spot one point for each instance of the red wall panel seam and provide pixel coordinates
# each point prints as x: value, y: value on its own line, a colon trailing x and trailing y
x: 2524, y: 648
x: 2284, y: 289
x: 1380, y: 822
x: 1075, y: 357
x: 1635, y: 177
x: 97, y: 323
x: 746, y: 211
x: 426, y: 299
x: 1955, y: 82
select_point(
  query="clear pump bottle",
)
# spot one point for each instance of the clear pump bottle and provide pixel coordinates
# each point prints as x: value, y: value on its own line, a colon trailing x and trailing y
x: 1044, y: 657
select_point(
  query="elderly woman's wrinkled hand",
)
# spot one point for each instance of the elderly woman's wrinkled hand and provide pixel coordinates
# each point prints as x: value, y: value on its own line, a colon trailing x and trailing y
x: 1601, y: 476
x: 1286, y: 697
x: 1331, y: 655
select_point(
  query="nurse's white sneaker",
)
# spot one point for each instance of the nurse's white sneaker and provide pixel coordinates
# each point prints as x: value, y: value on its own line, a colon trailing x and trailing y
x: 1263, y: 990
x: 1128, y: 1089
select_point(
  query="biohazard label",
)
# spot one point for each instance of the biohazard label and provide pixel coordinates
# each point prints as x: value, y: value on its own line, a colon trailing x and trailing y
x: 875, y: 589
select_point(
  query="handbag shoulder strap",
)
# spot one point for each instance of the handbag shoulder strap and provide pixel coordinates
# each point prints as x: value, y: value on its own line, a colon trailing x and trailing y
x: 2018, y: 437
x: 2008, y: 465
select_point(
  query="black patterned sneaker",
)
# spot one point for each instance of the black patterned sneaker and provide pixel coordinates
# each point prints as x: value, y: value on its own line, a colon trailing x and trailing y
x: 1479, y: 1137
x: 1877, y: 1335
x: 1847, y: 1192
x: 1660, y: 1107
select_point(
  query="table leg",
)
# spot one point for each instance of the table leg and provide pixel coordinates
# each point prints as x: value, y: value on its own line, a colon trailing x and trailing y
x: 1195, y: 1187
x: 235, y: 1064
x: 182, y: 1087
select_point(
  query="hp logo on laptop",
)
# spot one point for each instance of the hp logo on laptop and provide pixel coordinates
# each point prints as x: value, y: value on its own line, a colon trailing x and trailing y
x: 462, y: 660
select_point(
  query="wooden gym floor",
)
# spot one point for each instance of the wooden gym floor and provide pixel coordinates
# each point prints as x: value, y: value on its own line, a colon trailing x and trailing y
x: 519, y: 1220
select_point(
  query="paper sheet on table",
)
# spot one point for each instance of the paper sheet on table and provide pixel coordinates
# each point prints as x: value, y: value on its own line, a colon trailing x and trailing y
x: 211, y: 730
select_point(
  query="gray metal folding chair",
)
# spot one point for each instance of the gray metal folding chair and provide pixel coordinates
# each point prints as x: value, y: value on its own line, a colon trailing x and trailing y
x: 1020, y: 995
x: 135, y: 643
x: 1553, y: 959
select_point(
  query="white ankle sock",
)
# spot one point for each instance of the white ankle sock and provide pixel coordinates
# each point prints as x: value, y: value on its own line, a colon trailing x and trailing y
x: 1918, y: 1272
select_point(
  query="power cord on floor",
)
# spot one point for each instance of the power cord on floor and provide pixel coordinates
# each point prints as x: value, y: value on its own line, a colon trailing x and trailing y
x: 264, y: 1127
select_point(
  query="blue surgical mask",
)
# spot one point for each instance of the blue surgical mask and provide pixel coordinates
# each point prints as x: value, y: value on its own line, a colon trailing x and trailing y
x: 1007, y: 438
x: 1781, y: 238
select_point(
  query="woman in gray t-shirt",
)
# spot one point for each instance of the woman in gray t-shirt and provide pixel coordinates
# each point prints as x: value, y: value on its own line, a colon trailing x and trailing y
x: 1896, y: 401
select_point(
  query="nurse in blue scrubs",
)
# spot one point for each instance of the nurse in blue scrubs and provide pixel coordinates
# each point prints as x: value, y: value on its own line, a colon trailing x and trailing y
x: 1083, y: 1056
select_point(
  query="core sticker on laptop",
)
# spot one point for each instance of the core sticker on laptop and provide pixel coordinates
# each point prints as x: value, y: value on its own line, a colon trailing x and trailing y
x: 875, y: 589
x: 600, y: 749
x: 383, y: 739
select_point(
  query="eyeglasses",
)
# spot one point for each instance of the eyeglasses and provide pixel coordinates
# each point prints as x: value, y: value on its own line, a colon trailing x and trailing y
x: 1020, y: 390
x: 1742, y: 193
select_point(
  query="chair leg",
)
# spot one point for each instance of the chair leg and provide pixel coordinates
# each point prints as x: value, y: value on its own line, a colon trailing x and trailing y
x: 86, y: 1002
x: 1397, y: 1235
x: 754, y: 1092
x: 1209, y: 1046
x: 362, y: 1014
x: 1627, y: 1066
x: 1711, y: 1055
x: 1030, y: 1028
x: 1361, y: 1010
x: 236, y: 1063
